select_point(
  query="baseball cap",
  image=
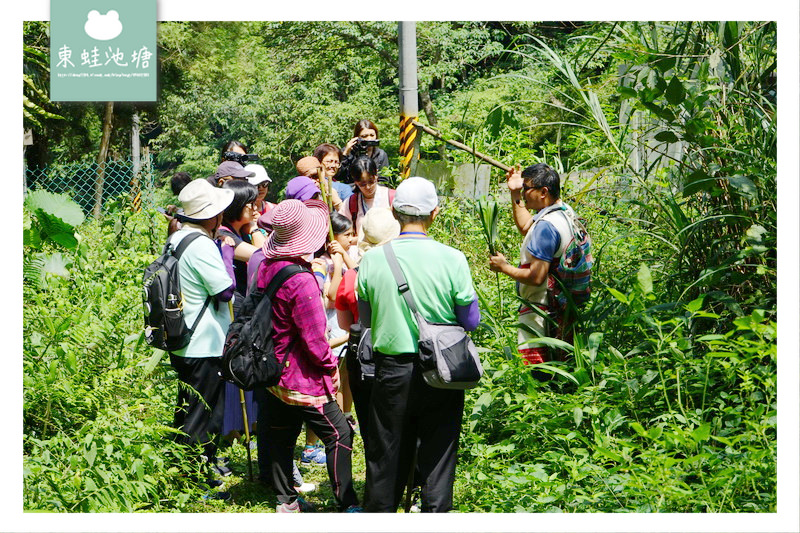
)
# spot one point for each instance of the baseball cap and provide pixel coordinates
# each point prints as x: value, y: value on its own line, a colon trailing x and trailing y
x: 415, y: 196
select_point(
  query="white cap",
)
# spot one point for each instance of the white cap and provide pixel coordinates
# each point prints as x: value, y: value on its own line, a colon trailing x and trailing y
x: 259, y: 174
x: 415, y: 196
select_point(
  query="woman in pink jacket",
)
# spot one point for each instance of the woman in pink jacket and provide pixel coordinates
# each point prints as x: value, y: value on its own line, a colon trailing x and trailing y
x: 310, y: 379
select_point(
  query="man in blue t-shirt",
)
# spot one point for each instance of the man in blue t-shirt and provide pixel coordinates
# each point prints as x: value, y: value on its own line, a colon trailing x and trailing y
x: 547, y: 234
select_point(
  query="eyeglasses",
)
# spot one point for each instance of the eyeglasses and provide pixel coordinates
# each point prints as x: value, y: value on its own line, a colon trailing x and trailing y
x: 366, y: 183
x: 526, y: 188
x: 332, y: 163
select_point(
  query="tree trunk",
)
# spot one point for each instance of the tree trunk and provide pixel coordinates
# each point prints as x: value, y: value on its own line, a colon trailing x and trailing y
x: 101, y: 159
x: 427, y: 106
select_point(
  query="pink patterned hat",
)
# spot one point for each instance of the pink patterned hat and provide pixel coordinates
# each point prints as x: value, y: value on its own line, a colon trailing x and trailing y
x: 298, y: 228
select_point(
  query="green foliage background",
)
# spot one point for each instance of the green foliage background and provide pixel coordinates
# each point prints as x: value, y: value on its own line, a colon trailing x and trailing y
x: 669, y: 402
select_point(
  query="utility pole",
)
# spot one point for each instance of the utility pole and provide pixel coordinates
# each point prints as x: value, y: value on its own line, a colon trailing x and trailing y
x: 409, y: 105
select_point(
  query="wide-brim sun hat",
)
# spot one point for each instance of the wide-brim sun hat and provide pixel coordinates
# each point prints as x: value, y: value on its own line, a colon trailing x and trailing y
x: 415, y: 196
x: 233, y: 169
x: 298, y: 228
x: 260, y: 174
x: 201, y: 200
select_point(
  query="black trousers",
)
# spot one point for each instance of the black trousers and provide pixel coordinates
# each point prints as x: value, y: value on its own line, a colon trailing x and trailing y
x: 361, y: 390
x: 199, y: 417
x: 279, y: 425
x: 406, y: 413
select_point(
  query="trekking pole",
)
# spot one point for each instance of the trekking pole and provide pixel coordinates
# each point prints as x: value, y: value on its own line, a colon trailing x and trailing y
x: 244, y: 418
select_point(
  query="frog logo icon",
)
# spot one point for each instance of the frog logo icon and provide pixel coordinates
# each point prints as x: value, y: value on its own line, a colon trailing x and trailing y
x: 103, y: 27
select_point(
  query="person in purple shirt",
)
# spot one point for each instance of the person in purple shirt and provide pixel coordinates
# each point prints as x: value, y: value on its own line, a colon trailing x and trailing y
x: 307, y: 388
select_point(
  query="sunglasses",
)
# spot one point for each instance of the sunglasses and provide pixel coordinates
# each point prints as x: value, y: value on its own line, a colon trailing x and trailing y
x: 526, y: 188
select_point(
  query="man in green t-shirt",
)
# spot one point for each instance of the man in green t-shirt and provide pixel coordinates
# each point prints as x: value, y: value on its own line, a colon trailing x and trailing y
x: 404, y: 409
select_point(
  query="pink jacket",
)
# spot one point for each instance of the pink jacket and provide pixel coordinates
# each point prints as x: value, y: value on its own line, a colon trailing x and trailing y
x: 300, y: 325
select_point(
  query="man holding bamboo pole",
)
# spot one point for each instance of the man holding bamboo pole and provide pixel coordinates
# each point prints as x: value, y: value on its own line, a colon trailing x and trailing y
x: 547, y: 235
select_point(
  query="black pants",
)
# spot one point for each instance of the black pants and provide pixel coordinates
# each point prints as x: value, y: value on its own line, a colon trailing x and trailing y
x: 201, y: 424
x: 405, y: 412
x: 361, y: 389
x: 279, y: 425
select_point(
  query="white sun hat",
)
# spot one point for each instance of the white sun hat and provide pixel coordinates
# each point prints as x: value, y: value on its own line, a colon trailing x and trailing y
x: 201, y: 200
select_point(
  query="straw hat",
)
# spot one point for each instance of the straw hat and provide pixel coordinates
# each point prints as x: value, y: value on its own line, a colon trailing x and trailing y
x: 202, y: 201
x: 298, y: 228
x: 379, y: 226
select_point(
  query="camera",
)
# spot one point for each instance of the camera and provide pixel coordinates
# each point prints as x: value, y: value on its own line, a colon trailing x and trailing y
x: 239, y: 158
x: 361, y: 146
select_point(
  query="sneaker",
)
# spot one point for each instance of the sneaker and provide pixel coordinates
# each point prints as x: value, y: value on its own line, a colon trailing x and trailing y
x: 221, y: 470
x: 297, y: 481
x: 354, y: 509
x: 313, y: 456
x: 305, y: 487
x: 216, y: 496
x: 297, y: 506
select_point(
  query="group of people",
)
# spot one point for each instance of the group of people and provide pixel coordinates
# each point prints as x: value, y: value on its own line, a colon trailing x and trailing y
x: 334, y: 224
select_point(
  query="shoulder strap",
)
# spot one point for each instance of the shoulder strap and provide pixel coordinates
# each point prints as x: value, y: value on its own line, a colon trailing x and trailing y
x: 402, y: 286
x: 353, y: 205
x: 185, y: 242
x: 282, y: 275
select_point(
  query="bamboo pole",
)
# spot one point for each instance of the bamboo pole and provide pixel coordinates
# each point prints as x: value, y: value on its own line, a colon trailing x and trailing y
x: 462, y: 146
x: 326, y: 198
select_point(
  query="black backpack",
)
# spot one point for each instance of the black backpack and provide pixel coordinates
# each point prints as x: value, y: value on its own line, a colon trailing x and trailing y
x: 248, y: 358
x: 164, y: 324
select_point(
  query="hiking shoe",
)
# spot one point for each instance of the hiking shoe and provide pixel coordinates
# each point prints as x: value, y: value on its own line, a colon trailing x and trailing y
x: 305, y: 487
x: 221, y: 470
x: 297, y: 481
x: 297, y: 506
x: 313, y: 456
x: 354, y: 509
x: 216, y: 496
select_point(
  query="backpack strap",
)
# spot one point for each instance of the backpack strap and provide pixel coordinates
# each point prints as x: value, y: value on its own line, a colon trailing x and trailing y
x: 352, y: 204
x: 176, y: 253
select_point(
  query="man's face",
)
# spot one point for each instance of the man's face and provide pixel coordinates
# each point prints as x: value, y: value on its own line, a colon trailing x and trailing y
x: 535, y: 197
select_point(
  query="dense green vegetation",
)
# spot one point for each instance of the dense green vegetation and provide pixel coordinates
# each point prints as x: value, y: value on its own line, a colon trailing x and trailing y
x: 669, y: 402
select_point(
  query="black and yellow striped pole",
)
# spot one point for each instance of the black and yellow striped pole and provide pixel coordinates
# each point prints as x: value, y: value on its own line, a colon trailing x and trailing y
x: 409, y: 106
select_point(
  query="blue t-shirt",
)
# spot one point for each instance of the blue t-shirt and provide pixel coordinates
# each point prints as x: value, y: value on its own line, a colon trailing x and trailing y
x: 344, y: 190
x: 545, y: 241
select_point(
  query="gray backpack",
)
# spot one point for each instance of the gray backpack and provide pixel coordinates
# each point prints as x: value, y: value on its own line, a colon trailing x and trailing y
x: 447, y: 354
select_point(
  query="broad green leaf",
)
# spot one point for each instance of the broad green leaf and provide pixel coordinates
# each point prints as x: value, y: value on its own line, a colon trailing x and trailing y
x: 702, y: 433
x: 667, y: 137
x: 744, y: 186
x: 675, y: 92
x: 57, y: 205
x: 577, y: 416
x: 618, y: 295
x: 644, y: 279
x: 695, y: 305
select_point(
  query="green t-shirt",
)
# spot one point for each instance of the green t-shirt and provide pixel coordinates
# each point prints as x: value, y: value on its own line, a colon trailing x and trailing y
x: 438, y: 277
x: 203, y: 274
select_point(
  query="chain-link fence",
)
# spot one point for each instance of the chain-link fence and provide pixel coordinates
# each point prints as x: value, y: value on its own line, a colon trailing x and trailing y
x: 87, y: 182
